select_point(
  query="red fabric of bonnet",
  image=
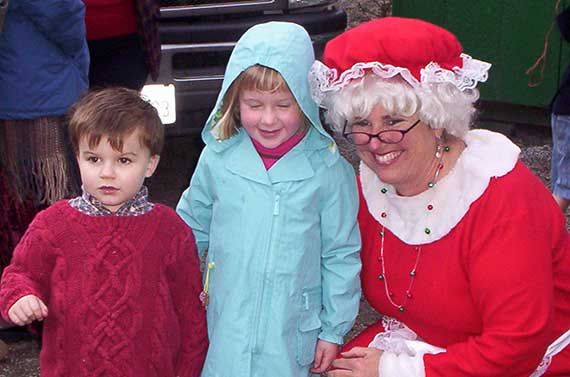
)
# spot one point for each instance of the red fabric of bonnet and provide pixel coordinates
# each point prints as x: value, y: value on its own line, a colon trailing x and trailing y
x: 401, y: 42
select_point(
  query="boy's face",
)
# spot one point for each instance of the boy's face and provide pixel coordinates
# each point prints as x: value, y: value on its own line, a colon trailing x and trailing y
x: 114, y: 177
x: 270, y: 118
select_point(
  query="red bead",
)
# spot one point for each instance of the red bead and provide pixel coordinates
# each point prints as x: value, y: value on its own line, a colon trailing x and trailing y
x: 391, y: 294
x: 383, y: 214
x: 409, y: 294
x: 440, y: 166
x: 429, y: 207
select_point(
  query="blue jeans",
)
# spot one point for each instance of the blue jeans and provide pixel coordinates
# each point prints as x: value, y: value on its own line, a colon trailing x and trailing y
x: 560, y: 163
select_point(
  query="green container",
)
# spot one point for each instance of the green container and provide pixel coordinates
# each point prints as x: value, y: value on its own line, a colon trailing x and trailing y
x: 510, y: 34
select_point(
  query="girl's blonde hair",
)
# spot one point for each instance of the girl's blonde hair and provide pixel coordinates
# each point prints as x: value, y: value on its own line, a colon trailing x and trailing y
x: 441, y: 105
x: 256, y: 77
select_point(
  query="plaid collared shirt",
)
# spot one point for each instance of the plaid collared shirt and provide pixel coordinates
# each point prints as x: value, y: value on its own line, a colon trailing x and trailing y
x: 148, y: 13
x: 136, y: 206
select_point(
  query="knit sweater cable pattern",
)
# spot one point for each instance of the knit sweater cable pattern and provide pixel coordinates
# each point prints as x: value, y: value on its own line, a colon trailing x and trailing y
x: 122, y: 293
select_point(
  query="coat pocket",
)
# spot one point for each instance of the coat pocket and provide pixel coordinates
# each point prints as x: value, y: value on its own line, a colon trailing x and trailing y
x: 309, y: 325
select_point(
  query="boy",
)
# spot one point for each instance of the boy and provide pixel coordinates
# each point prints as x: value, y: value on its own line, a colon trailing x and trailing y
x: 115, y: 277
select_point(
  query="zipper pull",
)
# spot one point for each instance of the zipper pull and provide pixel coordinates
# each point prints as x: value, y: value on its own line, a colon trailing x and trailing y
x: 276, y: 205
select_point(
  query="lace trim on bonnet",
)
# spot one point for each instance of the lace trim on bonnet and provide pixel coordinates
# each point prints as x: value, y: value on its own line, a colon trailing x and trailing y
x: 323, y: 79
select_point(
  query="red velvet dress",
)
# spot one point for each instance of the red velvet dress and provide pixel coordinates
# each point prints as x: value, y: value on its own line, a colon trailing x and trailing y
x: 492, y: 289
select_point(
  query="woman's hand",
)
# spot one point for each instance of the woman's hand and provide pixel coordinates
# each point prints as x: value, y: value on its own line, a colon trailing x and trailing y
x: 358, y: 362
x: 324, y: 355
x: 27, y: 309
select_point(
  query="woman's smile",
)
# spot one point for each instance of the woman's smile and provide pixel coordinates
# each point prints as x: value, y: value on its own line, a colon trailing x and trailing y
x: 387, y: 158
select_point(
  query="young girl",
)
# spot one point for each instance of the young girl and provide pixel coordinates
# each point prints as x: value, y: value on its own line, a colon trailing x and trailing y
x: 275, y: 205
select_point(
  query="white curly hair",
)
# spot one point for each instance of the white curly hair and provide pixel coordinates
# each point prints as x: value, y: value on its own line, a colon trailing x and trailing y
x: 441, y: 105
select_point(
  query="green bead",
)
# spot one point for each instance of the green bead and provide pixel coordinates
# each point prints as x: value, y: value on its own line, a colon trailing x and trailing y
x: 384, y: 190
x: 447, y: 149
x: 427, y: 230
x: 401, y: 309
x: 431, y: 184
x: 381, y: 233
x: 381, y: 277
x: 413, y: 273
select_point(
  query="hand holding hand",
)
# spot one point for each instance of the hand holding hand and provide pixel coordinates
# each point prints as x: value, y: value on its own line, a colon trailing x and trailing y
x: 324, y: 355
x: 358, y: 362
x: 27, y: 309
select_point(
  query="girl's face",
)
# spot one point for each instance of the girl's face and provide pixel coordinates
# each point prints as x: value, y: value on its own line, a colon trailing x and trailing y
x: 270, y: 118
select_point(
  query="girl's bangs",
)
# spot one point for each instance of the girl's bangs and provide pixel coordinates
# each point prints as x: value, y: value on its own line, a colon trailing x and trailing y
x: 263, y: 79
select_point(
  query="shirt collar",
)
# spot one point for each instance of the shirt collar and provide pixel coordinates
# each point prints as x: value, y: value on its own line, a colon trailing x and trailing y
x: 137, y: 205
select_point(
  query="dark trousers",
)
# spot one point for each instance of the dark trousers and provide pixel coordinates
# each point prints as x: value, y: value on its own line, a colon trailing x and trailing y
x: 117, y: 61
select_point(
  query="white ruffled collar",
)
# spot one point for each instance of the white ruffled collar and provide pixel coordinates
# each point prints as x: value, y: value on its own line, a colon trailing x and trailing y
x: 487, y: 155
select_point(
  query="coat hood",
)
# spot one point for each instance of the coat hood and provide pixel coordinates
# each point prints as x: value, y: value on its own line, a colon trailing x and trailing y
x: 283, y: 46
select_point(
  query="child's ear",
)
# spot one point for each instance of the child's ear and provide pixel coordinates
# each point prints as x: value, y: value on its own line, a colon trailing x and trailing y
x: 152, y: 164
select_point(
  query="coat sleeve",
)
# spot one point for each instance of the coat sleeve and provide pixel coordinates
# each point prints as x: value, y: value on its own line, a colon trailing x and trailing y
x: 340, y: 261
x: 511, y: 275
x: 30, y: 269
x: 195, y: 205
x: 185, y: 286
x: 60, y: 21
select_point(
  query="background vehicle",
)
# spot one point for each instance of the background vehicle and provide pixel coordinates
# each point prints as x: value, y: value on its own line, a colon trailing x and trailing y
x: 197, y: 39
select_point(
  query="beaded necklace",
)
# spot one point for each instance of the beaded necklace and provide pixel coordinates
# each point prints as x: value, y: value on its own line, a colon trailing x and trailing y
x: 413, y: 272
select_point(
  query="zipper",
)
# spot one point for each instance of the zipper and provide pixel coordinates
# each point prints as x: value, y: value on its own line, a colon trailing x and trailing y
x: 257, y: 317
x: 276, y: 205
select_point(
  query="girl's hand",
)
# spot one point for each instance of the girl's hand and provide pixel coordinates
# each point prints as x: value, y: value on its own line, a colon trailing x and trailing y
x: 27, y: 309
x: 358, y: 362
x: 324, y: 355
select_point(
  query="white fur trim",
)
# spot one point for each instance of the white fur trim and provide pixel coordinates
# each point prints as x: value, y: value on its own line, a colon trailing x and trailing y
x: 487, y: 155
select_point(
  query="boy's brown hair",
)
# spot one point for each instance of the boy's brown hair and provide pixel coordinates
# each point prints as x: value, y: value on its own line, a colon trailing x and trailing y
x: 115, y: 113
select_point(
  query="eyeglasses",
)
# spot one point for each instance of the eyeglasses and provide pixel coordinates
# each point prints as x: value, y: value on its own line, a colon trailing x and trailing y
x: 386, y: 136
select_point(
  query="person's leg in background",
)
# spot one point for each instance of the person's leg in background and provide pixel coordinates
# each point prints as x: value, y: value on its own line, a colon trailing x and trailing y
x: 560, y: 164
x: 117, y: 61
x: 37, y: 168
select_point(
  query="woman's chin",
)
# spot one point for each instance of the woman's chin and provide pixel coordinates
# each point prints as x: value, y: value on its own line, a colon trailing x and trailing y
x: 387, y: 171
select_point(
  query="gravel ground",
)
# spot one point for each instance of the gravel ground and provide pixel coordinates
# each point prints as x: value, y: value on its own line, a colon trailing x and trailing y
x: 179, y: 159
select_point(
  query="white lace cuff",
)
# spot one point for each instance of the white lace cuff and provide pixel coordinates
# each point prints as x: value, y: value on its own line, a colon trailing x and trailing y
x: 403, y: 351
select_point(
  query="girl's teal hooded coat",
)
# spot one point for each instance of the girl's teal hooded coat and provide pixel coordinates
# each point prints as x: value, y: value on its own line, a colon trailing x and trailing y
x: 284, y: 242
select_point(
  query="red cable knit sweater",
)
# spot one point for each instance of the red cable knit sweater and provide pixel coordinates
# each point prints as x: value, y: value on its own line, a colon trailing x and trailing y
x: 122, y: 293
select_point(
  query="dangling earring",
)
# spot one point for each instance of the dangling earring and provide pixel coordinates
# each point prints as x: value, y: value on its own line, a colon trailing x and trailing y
x: 439, y: 149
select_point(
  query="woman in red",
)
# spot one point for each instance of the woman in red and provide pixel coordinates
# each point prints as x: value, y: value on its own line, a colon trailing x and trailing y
x: 464, y: 251
x: 123, y: 40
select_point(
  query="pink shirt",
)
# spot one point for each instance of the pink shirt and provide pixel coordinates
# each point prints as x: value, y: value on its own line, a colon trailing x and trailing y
x: 269, y: 156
